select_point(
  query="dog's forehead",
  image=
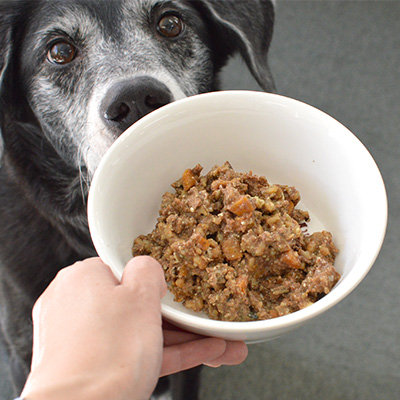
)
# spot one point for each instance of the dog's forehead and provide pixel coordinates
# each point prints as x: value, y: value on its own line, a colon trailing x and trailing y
x: 87, y: 15
x: 135, y: 6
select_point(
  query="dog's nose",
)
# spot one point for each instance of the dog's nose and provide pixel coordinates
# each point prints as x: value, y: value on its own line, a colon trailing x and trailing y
x: 128, y: 101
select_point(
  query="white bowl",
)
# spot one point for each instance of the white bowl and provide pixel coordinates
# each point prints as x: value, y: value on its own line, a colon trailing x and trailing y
x: 285, y: 140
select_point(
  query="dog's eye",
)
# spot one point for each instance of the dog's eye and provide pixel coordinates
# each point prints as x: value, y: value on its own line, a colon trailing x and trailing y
x: 61, y: 53
x: 170, y: 26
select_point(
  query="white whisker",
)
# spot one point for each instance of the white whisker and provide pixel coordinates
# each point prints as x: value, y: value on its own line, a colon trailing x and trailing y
x: 83, y: 177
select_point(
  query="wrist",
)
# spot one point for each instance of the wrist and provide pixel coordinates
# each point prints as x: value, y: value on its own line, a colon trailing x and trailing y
x: 81, y: 388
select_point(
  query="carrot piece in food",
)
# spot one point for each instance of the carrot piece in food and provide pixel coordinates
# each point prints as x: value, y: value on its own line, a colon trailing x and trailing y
x: 188, y: 179
x: 241, y: 206
x: 231, y: 249
x: 290, y: 259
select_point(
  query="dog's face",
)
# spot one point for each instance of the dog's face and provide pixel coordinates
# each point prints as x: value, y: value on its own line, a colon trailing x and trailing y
x: 91, y: 69
x: 86, y: 70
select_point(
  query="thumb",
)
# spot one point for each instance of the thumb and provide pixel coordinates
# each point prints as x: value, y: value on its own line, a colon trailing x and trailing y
x: 145, y: 275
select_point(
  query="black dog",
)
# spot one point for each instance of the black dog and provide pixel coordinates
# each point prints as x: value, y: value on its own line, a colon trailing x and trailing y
x: 73, y: 76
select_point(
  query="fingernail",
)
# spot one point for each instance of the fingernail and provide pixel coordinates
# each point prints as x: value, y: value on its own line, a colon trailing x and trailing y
x: 212, y: 365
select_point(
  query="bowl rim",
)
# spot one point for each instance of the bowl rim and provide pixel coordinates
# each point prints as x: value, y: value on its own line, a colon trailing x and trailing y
x: 300, y: 316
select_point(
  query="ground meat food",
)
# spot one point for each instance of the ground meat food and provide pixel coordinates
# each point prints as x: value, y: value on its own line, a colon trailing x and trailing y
x: 236, y: 247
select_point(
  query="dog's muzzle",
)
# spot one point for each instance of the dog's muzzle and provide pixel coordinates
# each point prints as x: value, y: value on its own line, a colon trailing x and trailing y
x: 127, y: 101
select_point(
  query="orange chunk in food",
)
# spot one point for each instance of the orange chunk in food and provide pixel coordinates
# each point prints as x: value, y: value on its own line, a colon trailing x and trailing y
x: 180, y: 283
x: 231, y: 249
x: 241, y: 206
x: 188, y: 179
x: 291, y: 259
x: 242, y: 282
x: 195, y: 304
x: 203, y: 243
x: 290, y: 207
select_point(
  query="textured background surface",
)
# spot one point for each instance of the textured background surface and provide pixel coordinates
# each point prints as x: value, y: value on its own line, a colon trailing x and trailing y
x: 344, y: 58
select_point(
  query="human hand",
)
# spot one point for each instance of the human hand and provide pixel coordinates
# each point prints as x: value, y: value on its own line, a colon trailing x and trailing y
x: 184, y: 350
x: 96, y: 337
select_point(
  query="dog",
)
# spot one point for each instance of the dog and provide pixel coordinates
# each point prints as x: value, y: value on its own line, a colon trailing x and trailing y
x: 74, y: 74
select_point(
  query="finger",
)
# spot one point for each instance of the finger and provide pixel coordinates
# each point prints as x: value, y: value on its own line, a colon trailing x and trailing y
x: 91, y: 268
x: 144, y: 285
x: 146, y: 274
x: 170, y: 327
x: 191, y: 354
x: 172, y: 338
x: 91, y: 272
x: 235, y: 353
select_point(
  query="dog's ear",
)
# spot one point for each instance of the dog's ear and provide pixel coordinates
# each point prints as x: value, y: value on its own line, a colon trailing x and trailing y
x: 5, y: 50
x: 245, y: 26
x: 5, y: 41
x: 8, y: 10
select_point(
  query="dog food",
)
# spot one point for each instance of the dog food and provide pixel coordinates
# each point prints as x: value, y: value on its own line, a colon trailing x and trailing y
x: 237, y: 248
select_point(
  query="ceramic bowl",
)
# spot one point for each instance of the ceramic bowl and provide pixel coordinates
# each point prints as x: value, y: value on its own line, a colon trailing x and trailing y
x: 286, y: 141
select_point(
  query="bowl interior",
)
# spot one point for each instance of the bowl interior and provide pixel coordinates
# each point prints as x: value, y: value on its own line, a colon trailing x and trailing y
x: 285, y: 140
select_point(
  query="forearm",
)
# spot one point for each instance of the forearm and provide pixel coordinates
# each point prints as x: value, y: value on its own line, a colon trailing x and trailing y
x: 84, y: 387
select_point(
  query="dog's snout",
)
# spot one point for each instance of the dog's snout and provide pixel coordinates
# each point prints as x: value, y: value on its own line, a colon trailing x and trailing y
x: 128, y: 101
